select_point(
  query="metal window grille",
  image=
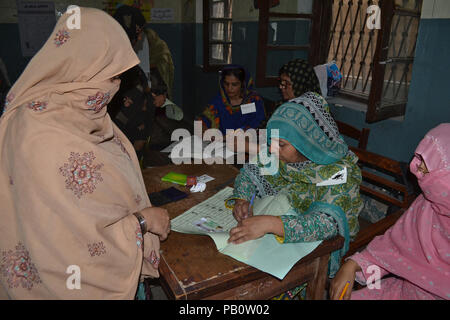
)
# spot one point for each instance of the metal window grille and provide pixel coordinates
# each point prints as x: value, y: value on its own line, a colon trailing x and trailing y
x: 352, y: 45
x: 376, y: 71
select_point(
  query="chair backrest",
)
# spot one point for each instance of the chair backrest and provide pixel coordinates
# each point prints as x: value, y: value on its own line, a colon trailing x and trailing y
x: 362, y: 136
x: 385, y: 180
x: 391, y: 175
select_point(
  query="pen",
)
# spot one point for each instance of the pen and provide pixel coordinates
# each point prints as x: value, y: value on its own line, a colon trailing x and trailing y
x: 250, y: 204
x: 345, y: 289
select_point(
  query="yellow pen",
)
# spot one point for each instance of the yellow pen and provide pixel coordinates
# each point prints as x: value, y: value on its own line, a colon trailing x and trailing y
x: 345, y: 290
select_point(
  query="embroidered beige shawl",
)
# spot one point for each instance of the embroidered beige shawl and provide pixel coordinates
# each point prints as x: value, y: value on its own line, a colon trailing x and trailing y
x: 69, y: 178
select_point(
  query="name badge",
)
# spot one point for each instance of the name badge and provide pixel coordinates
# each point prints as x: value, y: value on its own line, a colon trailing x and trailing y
x: 248, y: 108
x: 339, y: 177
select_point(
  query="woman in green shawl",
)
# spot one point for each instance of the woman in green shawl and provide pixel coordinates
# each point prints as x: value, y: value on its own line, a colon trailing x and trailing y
x: 317, y: 173
x: 161, y: 58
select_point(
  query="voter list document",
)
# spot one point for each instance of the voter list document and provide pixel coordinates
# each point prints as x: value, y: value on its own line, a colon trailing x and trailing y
x: 209, y: 217
x: 212, y: 218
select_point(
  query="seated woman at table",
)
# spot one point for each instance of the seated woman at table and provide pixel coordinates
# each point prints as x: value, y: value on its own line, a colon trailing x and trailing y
x: 415, y: 251
x: 74, y: 209
x: 312, y: 155
x: 237, y: 105
x: 296, y: 77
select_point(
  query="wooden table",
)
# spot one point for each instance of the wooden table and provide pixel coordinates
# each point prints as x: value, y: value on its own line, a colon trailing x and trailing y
x: 192, y: 268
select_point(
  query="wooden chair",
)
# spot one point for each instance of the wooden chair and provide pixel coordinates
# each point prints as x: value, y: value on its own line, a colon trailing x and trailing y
x: 362, y: 136
x: 387, y: 181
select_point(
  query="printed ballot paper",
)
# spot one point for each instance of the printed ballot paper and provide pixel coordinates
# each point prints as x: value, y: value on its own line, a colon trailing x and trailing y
x: 212, y: 218
x: 193, y: 147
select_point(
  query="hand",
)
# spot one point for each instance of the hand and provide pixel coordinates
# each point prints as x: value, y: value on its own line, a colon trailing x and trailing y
x: 347, y: 272
x: 240, y: 210
x: 158, y: 221
x: 254, y: 228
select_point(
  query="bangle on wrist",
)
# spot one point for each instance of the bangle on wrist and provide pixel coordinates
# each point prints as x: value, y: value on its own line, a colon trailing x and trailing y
x: 142, y: 222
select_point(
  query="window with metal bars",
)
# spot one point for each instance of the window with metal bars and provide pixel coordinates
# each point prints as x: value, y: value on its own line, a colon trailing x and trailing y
x: 217, y: 33
x: 376, y: 61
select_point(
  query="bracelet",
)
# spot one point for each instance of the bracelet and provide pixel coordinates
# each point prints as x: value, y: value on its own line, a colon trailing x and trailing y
x: 142, y: 222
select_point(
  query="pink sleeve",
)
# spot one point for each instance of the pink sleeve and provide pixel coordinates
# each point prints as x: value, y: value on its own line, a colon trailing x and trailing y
x: 365, y: 260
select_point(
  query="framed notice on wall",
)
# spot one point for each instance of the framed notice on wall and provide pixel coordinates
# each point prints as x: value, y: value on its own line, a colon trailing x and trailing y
x: 36, y: 22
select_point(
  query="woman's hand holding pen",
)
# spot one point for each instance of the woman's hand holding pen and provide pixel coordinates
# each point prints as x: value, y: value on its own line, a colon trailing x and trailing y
x: 255, y: 227
x: 241, y: 210
x: 346, y: 273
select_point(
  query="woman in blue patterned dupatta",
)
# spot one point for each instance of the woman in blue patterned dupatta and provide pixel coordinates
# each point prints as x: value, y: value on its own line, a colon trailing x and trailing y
x: 317, y: 173
x: 225, y: 110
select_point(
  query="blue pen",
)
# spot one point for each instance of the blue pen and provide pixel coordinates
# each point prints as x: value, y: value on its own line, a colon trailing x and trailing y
x: 250, y: 204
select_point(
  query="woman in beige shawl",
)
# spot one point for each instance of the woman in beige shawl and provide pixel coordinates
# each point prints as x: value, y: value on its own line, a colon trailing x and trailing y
x: 74, y: 210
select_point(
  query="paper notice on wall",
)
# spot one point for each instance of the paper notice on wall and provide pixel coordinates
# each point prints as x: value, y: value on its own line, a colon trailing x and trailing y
x: 36, y: 22
x: 163, y: 14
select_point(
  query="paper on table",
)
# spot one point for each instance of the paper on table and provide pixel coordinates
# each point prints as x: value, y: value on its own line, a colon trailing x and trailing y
x: 195, y: 147
x: 204, y: 178
x: 212, y: 218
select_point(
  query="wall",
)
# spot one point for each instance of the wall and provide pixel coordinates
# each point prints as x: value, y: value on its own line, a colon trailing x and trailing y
x: 429, y: 96
x: 177, y: 32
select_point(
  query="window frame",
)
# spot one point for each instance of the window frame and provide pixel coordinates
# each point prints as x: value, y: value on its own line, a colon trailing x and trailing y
x: 207, y: 42
x: 320, y: 24
x: 381, y: 60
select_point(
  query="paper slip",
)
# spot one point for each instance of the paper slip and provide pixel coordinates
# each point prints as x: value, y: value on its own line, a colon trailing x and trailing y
x: 248, y: 108
x: 212, y: 218
x: 339, y: 177
x: 204, y: 178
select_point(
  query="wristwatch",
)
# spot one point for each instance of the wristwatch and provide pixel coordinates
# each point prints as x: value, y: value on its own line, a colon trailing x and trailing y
x: 142, y: 222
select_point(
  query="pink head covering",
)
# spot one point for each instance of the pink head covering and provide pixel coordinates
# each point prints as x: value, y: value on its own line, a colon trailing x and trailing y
x: 434, y: 149
x: 417, y: 247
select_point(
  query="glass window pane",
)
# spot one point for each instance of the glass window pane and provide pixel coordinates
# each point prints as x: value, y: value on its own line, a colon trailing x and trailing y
x: 217, y: 31
x: 396, y: 83
x: 220, y: 54
x: 217, y: 52
x: 292, y: 6
x: 221, y: 31
x: 218, y: 10
x: 288, y: 31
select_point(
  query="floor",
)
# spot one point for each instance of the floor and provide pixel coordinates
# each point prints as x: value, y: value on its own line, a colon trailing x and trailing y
x: 158, y: 293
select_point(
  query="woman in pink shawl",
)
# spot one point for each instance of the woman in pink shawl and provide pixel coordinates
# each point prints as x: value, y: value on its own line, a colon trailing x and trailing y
x: 76, y: 221
x: 416, y: 250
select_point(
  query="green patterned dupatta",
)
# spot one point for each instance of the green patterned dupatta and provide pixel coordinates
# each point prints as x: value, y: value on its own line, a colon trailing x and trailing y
x: 307, y: 124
